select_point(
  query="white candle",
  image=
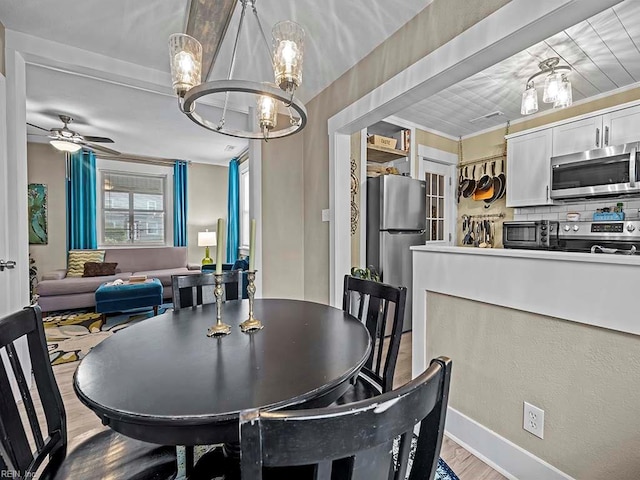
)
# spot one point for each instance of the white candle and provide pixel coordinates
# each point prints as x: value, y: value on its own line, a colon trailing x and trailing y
x: 252, y: 245
x: 220, y: 241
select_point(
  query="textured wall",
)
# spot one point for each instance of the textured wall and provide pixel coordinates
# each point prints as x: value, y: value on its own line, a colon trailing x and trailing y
x: 438, y: 23
x: 47, y: 165
x: 585, y: 379
x: 282, y: 218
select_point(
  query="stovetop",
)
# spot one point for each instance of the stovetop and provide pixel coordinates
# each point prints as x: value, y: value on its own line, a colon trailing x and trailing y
x: 618, y: 237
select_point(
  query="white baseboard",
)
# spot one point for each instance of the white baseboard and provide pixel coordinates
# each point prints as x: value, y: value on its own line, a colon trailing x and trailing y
x: 502, y: 455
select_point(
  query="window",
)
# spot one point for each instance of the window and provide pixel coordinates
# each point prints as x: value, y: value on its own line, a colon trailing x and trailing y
x: 133, y: 208
x: 244, y: 205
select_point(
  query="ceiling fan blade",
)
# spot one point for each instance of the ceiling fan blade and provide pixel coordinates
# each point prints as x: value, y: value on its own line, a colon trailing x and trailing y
x: 99, y: 148
x: 36, y: 126
x: 89, y: 138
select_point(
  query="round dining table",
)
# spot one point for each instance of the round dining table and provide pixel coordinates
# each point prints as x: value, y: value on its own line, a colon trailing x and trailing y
x: 164, y: 381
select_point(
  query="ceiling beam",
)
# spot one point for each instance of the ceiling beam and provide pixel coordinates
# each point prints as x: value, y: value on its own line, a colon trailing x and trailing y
x: 207, y: 22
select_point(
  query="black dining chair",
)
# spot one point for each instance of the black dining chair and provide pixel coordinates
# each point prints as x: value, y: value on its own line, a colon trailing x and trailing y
x: 378, y: 306
x: 193, y: 290
x: 368, y: 440
x: 98, y: 454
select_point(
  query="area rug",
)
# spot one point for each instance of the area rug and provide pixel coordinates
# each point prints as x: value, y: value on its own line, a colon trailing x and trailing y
x: 72, y: 334
x: 443, y: 471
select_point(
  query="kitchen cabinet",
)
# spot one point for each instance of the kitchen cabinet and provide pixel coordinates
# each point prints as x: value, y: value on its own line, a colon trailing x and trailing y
x: 614, y: 128
x: 529, y: 169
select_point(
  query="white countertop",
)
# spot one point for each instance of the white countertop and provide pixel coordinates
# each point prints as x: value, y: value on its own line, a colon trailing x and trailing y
x: 631, y: 260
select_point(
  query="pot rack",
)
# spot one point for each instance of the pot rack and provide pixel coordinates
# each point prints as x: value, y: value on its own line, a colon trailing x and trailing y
x: 484, y: 217
x: 488, y: 159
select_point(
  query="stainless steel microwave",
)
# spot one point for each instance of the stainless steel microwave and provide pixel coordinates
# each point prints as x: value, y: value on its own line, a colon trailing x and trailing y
x: 605, y: 172
x: 533, y: 235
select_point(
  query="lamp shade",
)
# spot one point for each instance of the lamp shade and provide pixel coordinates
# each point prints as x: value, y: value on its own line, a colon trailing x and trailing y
x: 529, y: 100
x: 551, y: 87
x: 288, y: 49
x: 206, y: 239
x: 65, y: 146
x: 185, y: 56
x: 565, y: 95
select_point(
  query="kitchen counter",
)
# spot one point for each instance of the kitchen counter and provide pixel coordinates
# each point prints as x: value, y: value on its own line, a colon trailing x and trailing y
x: 592, y: 289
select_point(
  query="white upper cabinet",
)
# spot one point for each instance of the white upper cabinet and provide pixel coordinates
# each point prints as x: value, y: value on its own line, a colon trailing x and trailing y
x: 577, y: 136
x: 529, y: 169
x: 621, y: 126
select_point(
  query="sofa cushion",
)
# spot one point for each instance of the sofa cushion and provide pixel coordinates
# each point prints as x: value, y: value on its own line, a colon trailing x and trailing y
x: 143, y: 259
x: 99, y: 269
x: 72, y: 285
x: 165, y: 275
x: 77, y: 259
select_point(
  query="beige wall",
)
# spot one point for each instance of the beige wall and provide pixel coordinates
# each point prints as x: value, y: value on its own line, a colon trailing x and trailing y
x: 585, y: 379
x: 47, y: 165
x: 207, y: 201
x: 282, y: 218
x: 208, y: 187
x: 438, y: 23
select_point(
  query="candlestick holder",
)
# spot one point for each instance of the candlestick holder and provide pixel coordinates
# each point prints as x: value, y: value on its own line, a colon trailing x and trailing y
x: 251, y: 324
x: 219, y: 328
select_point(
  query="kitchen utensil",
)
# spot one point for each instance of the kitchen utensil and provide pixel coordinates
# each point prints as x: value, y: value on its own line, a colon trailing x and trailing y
x: 484, y: 194
x: 460, y: 186
x: 469, y: 183
x: 497, y: 185
x: 485, y: 181
x: 468, y: 238
x: 503, y: 179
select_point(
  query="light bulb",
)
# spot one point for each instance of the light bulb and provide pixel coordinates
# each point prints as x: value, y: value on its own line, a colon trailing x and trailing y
x: 551, y: 87
x: 65, y: 146
x: 185, y: 63
x: 267, y: 112
x: 288, y: 53
x: 529, y: 100
x: 565, y: 95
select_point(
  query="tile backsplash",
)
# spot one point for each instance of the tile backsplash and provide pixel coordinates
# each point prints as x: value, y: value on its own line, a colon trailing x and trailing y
x: 586, y: 209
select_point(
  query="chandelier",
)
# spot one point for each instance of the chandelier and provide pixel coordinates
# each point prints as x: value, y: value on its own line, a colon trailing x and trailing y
x: 286, y: 59
x: 557, y: 87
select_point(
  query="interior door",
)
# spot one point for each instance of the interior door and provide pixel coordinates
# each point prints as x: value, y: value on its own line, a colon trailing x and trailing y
x: 439, y: 201
x: 7, y: 227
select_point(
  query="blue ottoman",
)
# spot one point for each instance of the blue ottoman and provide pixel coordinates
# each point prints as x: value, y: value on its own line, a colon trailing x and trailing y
x: 117, y: 298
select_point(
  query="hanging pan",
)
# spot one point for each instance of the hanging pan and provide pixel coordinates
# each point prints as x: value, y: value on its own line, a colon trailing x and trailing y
x: 498, y: 188
x: 469, y: 183
x: 485, y: 181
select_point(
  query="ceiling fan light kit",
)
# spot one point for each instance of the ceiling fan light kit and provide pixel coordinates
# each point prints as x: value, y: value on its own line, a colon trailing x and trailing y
x: 288, y: 47
x: 65, y: 145
x: 557, y: 87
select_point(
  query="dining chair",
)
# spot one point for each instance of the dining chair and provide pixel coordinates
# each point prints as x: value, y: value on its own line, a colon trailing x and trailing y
x: 193, y: 290
x: 97, y: 454
x: 368, y: 440
x: 380, y: 307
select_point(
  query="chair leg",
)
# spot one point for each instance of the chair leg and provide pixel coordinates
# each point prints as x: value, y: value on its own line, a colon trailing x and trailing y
x: 155, y: 310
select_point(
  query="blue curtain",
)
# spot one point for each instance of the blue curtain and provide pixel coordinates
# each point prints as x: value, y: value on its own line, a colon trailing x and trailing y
x: 81, y: 201
x: 180, y: 204
x: 233, y: 216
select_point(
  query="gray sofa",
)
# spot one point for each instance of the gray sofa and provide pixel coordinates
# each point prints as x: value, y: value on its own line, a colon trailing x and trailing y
x: 58, y: 292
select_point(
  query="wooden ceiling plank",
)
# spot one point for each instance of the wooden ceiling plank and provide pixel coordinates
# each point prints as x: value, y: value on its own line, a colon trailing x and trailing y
x: 208, y: 21
x: 588, y: 40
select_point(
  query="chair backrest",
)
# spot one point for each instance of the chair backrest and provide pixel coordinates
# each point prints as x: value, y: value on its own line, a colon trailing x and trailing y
x: 372, y: 306
x: 193, y: 290
x: 354, y: 441
x: 15, y: 450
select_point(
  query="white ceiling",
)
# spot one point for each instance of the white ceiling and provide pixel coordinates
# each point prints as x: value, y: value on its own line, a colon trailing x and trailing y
x: 604, y: 52
x: 137, y: 31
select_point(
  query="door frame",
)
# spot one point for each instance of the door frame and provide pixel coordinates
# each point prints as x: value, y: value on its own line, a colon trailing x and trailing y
x: 512, y: 28
x: 450, y: 161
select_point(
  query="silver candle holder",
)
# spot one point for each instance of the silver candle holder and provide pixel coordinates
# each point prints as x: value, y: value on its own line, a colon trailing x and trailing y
x: 251, y: 324
x: 219, y: 329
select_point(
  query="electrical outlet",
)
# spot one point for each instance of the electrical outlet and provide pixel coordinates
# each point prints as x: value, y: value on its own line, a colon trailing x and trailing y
x: 533, y: 420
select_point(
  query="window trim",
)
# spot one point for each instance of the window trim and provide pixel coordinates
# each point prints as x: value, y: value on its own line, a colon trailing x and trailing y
x: 115, y: 166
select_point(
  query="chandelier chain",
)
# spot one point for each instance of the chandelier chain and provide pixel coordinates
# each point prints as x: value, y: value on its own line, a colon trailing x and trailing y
x: 264, y: 36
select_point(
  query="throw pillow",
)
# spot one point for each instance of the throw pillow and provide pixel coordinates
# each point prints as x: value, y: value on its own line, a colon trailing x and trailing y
x: 241, y: 264
x: 77, y: 259
x: 97, y: 269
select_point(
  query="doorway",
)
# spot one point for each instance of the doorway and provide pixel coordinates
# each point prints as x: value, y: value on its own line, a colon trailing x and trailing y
x: 437, y: 169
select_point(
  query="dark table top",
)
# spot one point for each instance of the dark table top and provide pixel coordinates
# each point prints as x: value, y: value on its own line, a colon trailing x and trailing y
x: 164, y: 381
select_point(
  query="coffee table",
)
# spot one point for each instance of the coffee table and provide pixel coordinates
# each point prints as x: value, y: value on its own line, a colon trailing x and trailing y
x: 127, y: 296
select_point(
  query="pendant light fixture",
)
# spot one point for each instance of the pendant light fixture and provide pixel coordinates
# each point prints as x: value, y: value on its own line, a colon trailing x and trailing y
x: 286, y: 59
x: 557, y: 87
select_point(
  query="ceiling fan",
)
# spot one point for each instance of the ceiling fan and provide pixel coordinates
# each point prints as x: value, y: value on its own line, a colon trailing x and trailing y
x: 67, y: 140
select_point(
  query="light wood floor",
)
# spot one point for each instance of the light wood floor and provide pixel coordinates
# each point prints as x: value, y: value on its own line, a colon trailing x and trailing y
x: 80, y: 419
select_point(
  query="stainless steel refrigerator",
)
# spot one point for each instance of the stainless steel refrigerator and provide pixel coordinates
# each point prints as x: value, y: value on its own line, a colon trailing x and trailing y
x: 396, y: 220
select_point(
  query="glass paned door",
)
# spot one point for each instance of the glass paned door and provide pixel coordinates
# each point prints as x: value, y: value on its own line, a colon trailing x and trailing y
x: 438, y: 197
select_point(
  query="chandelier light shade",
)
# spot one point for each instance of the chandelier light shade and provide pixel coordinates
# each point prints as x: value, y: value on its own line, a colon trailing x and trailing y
x: 286, y: 59
x: 288, y: 48
x: 551, y: 87
x: 65, y: 146
x: 557, y: 87
x: 529, y: 100
x: 186, y: 62
x: 565, y: 95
